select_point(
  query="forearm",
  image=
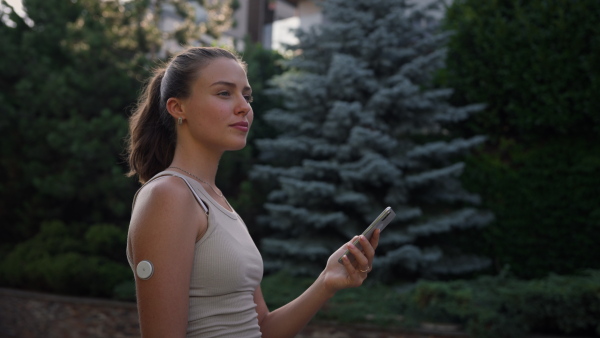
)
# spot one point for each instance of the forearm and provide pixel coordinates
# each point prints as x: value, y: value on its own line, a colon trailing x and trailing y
x: 289, y: 319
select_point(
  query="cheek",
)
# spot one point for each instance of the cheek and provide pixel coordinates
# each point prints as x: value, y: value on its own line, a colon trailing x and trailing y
x: 220, y: 114
x: 223, y: 115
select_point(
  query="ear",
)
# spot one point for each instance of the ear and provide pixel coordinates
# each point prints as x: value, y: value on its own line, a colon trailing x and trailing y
x: 175, y: 107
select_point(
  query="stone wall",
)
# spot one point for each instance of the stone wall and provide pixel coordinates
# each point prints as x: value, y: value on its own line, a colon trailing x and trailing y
x: 32, y: 315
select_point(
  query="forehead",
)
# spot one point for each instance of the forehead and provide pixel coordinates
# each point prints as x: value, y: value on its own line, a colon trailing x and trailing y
x: 223, y: 70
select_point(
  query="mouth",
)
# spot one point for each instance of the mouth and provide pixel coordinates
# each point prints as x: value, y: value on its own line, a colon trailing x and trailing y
x: 243, y: 126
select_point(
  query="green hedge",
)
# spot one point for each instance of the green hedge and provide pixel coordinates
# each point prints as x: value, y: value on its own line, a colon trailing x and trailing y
x: 536, y: 64
x: 546, y: 203
x: 57, y: 260
x: 506, y: 307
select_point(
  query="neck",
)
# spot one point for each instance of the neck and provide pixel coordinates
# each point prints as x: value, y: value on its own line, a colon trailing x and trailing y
x: 203, y: 164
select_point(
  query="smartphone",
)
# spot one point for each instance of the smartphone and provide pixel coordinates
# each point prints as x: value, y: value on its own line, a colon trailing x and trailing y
x: 380, y: 222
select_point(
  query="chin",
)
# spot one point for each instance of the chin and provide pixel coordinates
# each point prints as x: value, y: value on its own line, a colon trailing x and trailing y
x: 238, y: 146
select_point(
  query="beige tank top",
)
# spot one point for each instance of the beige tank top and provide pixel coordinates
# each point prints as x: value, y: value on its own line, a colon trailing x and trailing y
x: 227, y: 270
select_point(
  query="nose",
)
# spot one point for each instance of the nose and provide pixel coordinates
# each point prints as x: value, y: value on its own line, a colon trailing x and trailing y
x: 243, y: 107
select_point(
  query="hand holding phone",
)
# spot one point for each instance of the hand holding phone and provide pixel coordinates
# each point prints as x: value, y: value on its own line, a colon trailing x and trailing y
x: 380, y: 222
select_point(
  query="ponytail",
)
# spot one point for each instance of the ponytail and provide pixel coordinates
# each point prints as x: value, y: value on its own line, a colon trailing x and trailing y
x: 152, y: 135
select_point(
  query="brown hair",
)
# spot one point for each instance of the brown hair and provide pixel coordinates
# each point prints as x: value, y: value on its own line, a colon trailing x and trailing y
x: 152, y: 134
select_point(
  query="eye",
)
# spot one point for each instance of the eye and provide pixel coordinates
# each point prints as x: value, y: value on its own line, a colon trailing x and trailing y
x: 249, y: 98
x: 225, y: 93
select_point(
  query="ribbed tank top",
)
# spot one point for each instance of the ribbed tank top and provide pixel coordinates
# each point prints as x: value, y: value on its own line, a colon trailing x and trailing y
x: 227, y: 270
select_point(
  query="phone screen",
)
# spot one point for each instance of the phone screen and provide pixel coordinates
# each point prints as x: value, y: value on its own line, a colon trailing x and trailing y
x: 380, y: 222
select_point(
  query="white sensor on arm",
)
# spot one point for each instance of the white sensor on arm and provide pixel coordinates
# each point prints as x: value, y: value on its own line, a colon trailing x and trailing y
x: 144, y: 270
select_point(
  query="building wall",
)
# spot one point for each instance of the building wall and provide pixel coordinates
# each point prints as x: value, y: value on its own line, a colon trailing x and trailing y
x: 310, y: 14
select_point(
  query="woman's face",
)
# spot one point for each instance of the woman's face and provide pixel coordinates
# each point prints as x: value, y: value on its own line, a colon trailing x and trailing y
x: 218, y: 112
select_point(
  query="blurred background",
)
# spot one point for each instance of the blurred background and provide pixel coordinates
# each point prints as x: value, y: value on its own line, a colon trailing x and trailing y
x: 477, y: 121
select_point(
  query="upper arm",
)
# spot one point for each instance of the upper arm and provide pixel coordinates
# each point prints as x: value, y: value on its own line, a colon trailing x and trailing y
x: 163, y: 230
x: 261, y: 305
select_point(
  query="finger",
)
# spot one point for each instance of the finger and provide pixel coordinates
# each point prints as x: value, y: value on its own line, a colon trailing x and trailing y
x: 350, y: 269
x: 361, y: 260
x: 367, y: 248
x: 354, y: 278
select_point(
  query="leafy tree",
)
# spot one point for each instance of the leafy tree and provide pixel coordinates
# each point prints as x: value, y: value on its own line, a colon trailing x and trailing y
x: 537, y: 66
x: 66, y: 83
x: 69, y: 75
x: 219, y: 15
x: 198, y: 21
x: 362, y: 128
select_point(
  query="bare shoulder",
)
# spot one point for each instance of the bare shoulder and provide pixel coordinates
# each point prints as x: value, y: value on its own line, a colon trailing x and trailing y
x: 163, y: 197
x: 165, y: 212
x: 162, y: 190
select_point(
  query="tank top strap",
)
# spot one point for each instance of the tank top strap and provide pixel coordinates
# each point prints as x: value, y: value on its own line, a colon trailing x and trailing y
x: 175, y: 174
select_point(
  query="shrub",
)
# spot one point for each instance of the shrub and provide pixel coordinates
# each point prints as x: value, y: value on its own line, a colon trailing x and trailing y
x: 55, y: 260
x: 507, y: 307
x: 536, y: 64
x: 372, y: 303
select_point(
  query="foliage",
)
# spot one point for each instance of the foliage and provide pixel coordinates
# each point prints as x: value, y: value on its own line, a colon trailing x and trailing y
x: 57, y: 260
x: 502, y: 306
x: 536, y: 65
x: 70, y: 73
x: 66, y: 84
x: 282, y: 287
x: 219, y: 15
x: 546, y: 201
x: 373, y: 303
x: 195, y: 21
x: 488, y: 306
x: 363, y: 127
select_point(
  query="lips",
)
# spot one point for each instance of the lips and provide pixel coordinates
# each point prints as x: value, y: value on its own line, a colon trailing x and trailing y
x: 243, y: 126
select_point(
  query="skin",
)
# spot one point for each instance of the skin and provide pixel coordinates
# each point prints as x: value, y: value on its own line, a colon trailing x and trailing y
x: 167, y: 221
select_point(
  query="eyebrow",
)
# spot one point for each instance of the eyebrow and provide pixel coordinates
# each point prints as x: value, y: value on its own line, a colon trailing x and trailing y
x: 230, y: 84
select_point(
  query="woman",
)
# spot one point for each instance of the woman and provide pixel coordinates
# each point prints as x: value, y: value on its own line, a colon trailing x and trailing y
x: 196, y: 268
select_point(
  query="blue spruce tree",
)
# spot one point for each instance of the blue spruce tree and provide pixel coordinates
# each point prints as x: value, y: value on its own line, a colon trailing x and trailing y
x: 363, y: 128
